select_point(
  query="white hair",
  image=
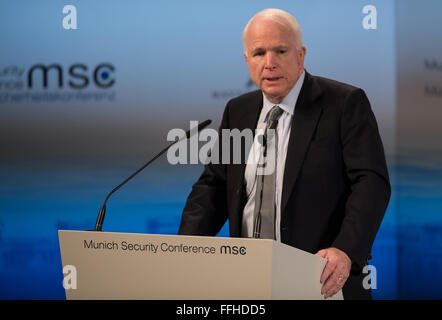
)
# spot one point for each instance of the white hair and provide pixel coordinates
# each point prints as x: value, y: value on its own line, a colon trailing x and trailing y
x: 282, y: 17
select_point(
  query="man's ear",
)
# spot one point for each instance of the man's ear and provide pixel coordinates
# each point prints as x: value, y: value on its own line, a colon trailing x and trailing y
x: 301, y: 56
x: 303, y: 51
x: 245, y: 55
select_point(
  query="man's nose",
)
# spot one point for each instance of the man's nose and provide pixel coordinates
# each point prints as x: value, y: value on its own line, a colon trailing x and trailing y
x: 270, y: 60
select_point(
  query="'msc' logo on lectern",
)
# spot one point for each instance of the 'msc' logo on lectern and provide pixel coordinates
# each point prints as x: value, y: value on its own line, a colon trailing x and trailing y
x: 235, y: 250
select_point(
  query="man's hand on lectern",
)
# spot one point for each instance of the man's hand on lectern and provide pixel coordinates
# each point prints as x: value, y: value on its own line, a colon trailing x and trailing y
x: 336, y: 271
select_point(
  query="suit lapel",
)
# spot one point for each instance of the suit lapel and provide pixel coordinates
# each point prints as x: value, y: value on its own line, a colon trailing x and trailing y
x: 247, y: 119
x: 304, y: 122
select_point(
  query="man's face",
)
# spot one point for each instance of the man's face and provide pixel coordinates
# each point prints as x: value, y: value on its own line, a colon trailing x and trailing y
x: 273, y: 60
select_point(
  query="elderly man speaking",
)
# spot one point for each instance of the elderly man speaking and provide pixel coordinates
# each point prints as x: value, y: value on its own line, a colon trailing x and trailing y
x: 330, y: 189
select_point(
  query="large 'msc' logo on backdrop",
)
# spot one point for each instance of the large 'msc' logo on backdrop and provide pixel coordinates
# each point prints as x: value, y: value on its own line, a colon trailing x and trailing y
x: 77, y: 76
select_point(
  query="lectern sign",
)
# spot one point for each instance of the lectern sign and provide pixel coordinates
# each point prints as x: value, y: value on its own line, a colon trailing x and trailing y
x: 141, y: 266
x: 163, y: 247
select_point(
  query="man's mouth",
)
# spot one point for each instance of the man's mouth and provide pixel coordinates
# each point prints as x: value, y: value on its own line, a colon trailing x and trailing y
x: 272, y: 79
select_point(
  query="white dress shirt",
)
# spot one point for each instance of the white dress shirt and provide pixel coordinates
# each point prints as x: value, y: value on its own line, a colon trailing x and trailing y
x: 283, y: 131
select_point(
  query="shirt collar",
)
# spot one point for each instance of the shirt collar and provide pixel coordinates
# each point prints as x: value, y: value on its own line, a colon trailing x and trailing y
x: 289, y: 102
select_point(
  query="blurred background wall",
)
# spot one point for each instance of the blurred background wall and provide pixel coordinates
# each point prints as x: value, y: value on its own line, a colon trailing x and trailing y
x: 81, y: 109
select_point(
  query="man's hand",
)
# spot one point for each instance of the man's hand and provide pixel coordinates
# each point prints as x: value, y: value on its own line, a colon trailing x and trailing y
x: 336, y: 270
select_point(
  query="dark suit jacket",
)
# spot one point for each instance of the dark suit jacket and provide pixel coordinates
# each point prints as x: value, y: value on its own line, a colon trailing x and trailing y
x: 335, y: 188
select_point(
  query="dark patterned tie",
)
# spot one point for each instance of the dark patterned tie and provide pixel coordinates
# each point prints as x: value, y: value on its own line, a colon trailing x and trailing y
x: 265, y: 208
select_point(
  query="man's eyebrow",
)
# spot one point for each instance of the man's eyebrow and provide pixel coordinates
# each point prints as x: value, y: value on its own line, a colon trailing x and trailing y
x: 279, y: 47
x: 258, y: 49
x: 282, y: 46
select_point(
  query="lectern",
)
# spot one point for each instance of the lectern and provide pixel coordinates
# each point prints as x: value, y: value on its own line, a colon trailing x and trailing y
x: 164, y: 267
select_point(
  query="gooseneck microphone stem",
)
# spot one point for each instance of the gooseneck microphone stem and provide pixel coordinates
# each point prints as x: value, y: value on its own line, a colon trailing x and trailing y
x: 101, y: 214
x: 257, y: 223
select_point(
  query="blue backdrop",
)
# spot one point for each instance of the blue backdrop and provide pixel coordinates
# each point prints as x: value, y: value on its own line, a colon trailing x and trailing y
x: 81, y: 109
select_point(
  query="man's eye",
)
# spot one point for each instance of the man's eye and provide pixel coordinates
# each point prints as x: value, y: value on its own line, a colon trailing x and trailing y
x: 281, y: 51
x: 259, y: 53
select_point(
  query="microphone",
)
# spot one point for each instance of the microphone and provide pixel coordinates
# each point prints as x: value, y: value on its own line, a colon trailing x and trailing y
x: 190, y: 132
